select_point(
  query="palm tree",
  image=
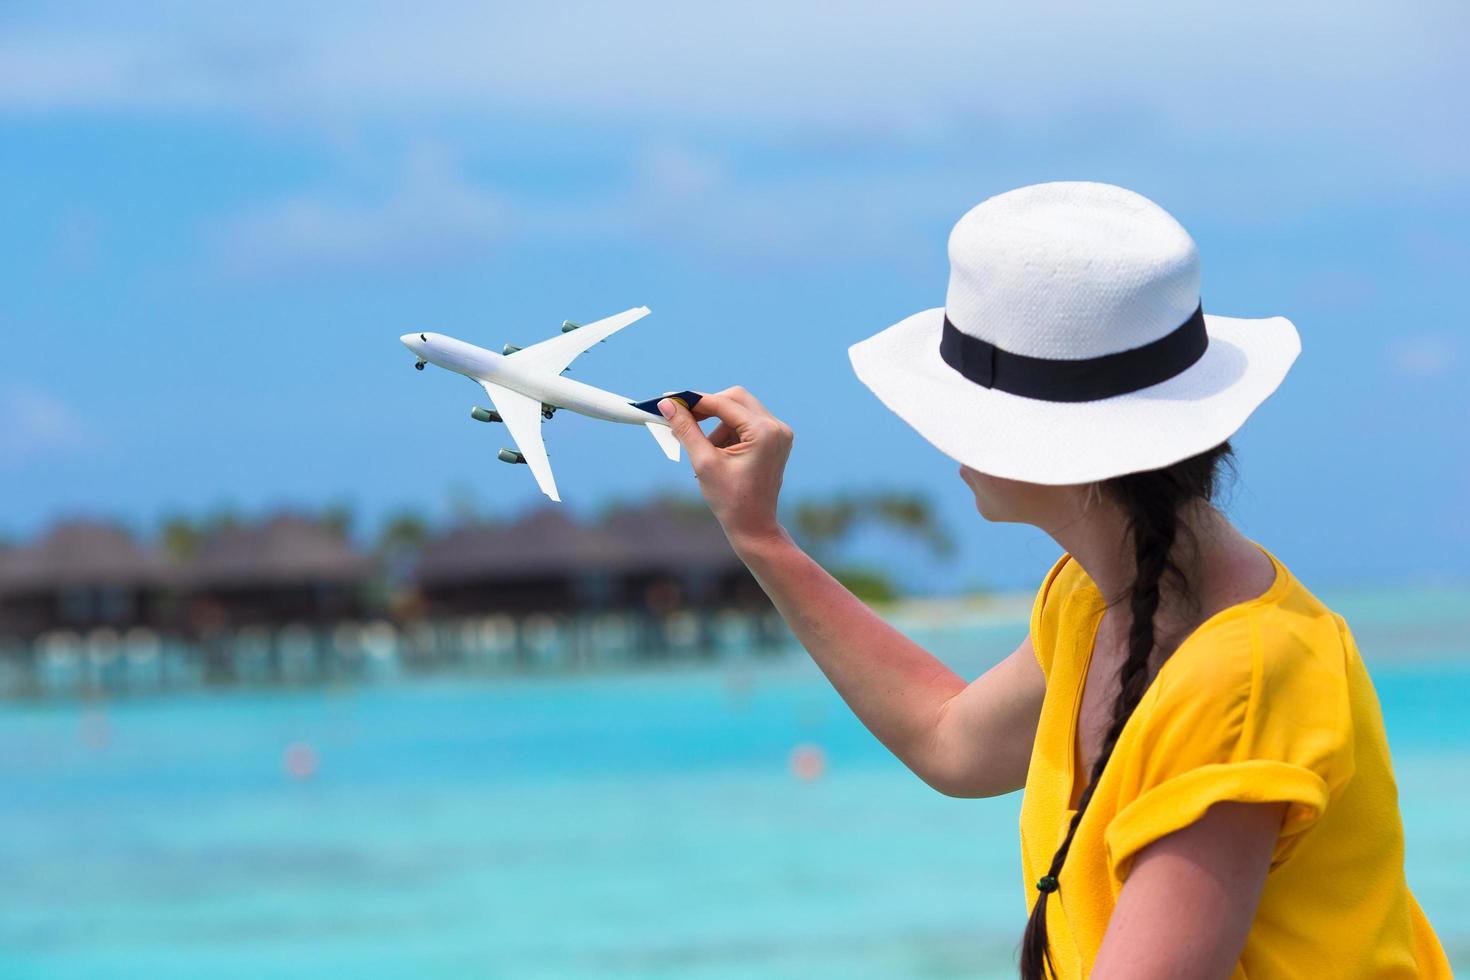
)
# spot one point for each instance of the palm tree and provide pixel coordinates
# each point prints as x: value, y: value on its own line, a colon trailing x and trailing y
x: 823, y: 526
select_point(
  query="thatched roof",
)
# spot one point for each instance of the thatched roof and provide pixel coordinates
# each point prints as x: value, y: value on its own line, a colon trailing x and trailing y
x: 80, y: 553
x: 670, y: 535
x: 549, y: 543
x: 287, y: 549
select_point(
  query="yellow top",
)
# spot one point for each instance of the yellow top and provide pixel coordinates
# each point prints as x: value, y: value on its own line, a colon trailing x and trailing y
x: 1267, y: 701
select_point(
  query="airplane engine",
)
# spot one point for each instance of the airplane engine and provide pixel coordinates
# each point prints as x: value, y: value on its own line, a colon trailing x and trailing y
x: 509, y: 349
x: 567, y: 326
x: 510, y: 456
x: 484, y: 415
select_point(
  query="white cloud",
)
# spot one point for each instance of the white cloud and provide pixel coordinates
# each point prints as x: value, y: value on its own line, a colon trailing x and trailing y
x: 687, y: 199
x: 1427, y: 356
x: 915, y: 109
x: 78, y: 237
x: 676, y: 172
x: 430, y: 211
x: 35, y: 424
x: 910, y: 71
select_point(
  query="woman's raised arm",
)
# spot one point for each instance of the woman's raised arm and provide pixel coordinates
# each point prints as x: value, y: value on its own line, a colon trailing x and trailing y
x: 963, y: 739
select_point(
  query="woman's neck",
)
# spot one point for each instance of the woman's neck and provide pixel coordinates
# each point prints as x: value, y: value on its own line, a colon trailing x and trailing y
x: 1219, y: 563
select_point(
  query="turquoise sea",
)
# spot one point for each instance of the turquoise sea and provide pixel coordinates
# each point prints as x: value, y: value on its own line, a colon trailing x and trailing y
x: 640, y: 824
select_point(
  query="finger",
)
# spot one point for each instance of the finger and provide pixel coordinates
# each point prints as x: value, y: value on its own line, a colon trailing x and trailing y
x: 724, y: 436
x: 726, y: 409
x: 697, y: 409
x: 687, y: 431
x: 737, y: 394
x: 743, y: 397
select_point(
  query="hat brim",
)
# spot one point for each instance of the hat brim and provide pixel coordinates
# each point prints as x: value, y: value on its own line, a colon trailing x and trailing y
x: 1047, y: 442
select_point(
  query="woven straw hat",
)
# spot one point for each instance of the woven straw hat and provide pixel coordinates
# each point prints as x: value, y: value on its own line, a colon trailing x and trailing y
x: 1073, y: 345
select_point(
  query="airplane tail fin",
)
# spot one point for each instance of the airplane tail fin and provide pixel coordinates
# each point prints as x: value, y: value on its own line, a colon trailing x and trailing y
x: 664, y: 436
x: 660, y: 429
x: 688, y: 398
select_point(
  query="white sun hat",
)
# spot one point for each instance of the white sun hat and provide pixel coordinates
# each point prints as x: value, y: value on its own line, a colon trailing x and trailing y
x: 1073, y: 345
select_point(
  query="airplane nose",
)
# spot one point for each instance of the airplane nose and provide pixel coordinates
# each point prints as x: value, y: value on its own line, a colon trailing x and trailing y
x: 410, y: 340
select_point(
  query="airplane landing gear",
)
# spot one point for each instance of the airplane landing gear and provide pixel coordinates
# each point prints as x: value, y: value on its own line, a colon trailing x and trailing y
x: 418, y: 365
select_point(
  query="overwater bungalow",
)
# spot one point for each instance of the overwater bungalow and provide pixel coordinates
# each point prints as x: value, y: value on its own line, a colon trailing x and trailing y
x: 82, y: 575
x: 651, y: 579
x: 291, y: 600
x: 658, y: 559
x: 546, y: 562
x: 288, y: 569
x: 674, y: 555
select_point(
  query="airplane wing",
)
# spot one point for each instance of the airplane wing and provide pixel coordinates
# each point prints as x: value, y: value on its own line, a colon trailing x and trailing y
x: 555, y: 354
x: 522, y: 416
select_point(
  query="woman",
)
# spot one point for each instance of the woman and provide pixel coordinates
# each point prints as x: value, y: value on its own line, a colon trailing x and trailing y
x: 1208, y: 790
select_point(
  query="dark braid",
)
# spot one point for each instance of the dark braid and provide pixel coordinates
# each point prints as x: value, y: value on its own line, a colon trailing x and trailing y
x: 1151, y: 502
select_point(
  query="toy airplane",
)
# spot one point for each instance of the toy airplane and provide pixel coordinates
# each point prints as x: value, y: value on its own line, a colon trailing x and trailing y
x: 526, y: 386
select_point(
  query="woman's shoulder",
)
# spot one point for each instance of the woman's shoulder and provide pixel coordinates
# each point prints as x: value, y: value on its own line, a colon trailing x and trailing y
x: 1265, y: 685
x: 1283, y: 651
x: 1062, y: 583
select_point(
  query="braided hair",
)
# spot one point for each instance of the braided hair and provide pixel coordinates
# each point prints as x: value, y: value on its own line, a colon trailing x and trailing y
x: 1151, y: 502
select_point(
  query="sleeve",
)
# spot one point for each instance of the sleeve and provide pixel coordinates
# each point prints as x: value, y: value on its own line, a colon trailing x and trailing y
x: 1044, y: 613
x: 1250, y: 717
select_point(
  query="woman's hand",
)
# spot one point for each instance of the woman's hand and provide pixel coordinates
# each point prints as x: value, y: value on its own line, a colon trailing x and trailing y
x: 965, y: 740
x: 739, y: 465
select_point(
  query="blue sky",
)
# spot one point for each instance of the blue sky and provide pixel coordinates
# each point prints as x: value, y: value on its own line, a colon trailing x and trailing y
x: 216, y: 223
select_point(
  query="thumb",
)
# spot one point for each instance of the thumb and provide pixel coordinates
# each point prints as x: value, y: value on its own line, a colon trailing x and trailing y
x: 686, y: 430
